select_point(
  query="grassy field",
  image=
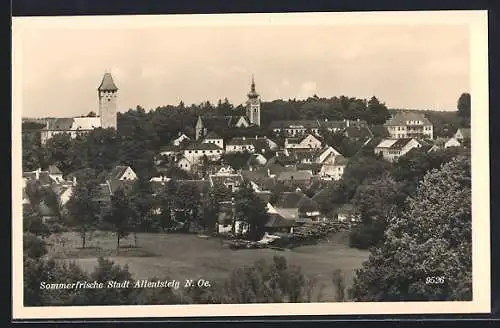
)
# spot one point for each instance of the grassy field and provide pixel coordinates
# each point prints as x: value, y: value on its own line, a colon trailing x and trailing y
x: 181, y: 256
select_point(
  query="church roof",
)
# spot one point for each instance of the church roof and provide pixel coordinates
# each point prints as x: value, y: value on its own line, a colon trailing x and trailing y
x: 107, y: 83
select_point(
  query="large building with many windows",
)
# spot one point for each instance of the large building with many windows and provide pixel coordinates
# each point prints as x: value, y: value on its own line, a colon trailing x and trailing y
x: 409, y: 125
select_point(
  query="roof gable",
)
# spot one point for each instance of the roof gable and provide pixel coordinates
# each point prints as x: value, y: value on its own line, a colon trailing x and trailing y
x: 107, y: 83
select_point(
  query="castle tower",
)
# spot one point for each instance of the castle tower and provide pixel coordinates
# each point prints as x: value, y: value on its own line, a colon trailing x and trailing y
x: 253, y: 105
x: 107, y: 93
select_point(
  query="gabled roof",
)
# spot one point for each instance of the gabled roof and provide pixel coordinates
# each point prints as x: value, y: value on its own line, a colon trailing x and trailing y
x: 222, y: 180
x: 400, y: 143
x: 465, y: 132
x: 238, y: 141
x: 306, y: 124
x: 386, y: 143
x: 202, y: 146
x: 291, y: 199
x: 359, y: 132
x: 400, y: 119
x: 212, y: 135
x: 277, y: 221
x: 86, y: 123
x: 59, y: 124
x: 107, y: 83
x: 117, y: 172
x: 54, y: 170
x: 333, y: 125
x: 296, y: 175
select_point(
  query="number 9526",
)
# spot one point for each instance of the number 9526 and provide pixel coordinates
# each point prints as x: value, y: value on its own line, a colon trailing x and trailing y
x: 434, y: 280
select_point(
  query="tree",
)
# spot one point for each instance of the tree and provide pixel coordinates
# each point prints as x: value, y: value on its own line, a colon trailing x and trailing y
x: 432, y: 238
x: 119, y: 215
x: 187, y: 205
x: 251, y: 210
x: 211, y: 206
x: 141, y: 202
x: 57, y: 151
x: 464, y: 107
x: 339, y: 283
x: 167, y: 202
x: 83, y: 210
x: 376, y: 113
x: 33, y: 154
x: 376, y: 201
x: 91, y: 114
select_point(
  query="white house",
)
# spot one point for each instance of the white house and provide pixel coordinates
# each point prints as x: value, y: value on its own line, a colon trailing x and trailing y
x: 122, y: 173
x: 307, y: 142
x: 409, y: 125
x: 196, y: 151
x: 240, y: 145
x: 392, y: 149
x: 462, y: 134
x: 333, y: 168
x: 452, y: 142
x: 184, y: 163
x: 213, y: 138
x: 180, y: 139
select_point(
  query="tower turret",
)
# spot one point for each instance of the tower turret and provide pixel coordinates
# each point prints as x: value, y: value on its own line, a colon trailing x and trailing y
x: 253, y: 105
x: 107, y: 93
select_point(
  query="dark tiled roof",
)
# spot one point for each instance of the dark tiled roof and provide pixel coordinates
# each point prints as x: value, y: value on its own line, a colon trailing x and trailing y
x: 264, y: 196
x: 107, y: 83
x: 202, y: 146
x: 358, y: 132
x: 54, y: 170
x: 277, y: 221
x: 117, y: 172
x: 307, y: 124
x: 334, y: 125
x: 240, y: 141
x: 212, y: 135
x: 222, y: 180
x: 314, y: 167
x: 399, y: 119
x: 296, y: 175
x: 289, y: 199
x: 400, y: 143
x: 62, y: 124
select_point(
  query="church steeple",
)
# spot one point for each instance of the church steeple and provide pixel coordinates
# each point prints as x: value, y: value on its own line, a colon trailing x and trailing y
x: 252, y: 93
x: 253, y: 105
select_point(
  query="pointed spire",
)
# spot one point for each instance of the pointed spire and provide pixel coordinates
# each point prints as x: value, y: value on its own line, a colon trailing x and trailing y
x: 252, y: 93
x: 107, y: 83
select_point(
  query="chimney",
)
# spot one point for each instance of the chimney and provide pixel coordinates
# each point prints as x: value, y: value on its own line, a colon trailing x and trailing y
x: 256, y: 137
x: 326, y: 119
x: 346, y: 123
x: 243, y: 138
x: 74, y: 181
x: 37, y: 174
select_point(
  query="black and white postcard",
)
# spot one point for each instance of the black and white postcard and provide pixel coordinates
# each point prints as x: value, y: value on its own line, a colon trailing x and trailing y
x: 250, y: 165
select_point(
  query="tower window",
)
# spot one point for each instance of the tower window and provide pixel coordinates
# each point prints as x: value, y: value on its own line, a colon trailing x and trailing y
x: 109, y: 99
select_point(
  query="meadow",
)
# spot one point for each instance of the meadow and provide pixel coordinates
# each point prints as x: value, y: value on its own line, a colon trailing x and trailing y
x: 188, y: 256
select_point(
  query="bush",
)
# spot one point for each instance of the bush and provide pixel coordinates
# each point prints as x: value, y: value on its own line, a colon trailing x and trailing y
x: 366, y: 235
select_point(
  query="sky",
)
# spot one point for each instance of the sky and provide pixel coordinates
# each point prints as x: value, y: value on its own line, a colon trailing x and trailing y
x: 417, y: 66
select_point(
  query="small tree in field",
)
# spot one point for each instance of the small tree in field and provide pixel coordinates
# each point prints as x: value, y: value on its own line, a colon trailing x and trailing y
x: 83, y: 210
x: 119, y: 216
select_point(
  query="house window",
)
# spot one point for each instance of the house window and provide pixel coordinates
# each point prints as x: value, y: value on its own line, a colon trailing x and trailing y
x: 196, y: 152
x: 189, y: 151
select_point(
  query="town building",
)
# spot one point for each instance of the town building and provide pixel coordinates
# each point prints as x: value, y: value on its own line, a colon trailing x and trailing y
x: 392, y: 149
x: 304, y: 142
x: 74, y: 126
x: 409, y: 125
x: 253, y: 105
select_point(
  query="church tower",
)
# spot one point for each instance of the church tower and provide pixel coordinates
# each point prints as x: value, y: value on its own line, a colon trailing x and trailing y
x: 253, y: 105
x: 107, y: 93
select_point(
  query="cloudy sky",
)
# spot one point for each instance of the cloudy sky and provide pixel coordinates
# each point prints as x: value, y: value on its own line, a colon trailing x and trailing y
x: 406, y: 65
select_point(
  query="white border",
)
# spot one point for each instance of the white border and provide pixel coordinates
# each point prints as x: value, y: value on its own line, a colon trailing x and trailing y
x: 477, y: 20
